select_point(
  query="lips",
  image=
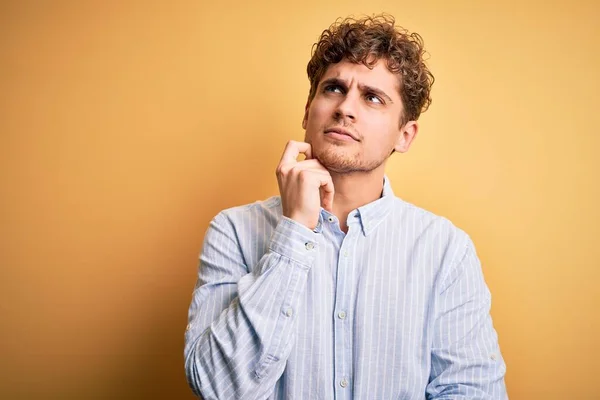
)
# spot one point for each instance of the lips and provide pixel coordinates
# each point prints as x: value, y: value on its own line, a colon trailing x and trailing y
x: 342, y: 131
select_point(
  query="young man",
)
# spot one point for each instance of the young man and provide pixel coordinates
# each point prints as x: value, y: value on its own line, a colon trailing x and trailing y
x: 338, y: 289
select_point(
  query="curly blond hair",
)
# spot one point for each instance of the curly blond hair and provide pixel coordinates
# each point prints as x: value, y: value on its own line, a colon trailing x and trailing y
x: 368, y: 40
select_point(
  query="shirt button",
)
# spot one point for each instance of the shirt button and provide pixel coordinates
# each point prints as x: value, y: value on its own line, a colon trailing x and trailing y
x: 309, y: 245
x: 187, y: 328
x: 342, y: 315
x: 344, y: 383
x: 331, y: 219
x: 289, y: 312
x: 345, y: 253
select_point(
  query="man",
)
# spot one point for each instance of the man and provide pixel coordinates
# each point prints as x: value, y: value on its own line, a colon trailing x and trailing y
x: 338, y: 289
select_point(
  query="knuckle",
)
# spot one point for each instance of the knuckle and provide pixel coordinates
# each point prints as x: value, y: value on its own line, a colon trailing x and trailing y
x: 282, y: 170
x: 303, y: 175
x: 296, y: 169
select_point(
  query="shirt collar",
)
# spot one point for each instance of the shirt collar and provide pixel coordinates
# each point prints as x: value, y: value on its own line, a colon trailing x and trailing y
x: 373, y: 213
x: 370, y: 215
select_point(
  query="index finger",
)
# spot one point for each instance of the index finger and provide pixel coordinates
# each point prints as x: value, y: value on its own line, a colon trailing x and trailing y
x: 293, y: 149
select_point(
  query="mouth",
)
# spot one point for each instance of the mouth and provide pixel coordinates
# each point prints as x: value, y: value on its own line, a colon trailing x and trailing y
x: 341, y: 134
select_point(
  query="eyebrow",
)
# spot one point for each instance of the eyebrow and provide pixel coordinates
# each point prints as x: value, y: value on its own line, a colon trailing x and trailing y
x: 361, y: 87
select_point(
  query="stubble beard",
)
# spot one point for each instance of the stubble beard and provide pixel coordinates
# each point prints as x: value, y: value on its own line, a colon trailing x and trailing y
x: 337, y: 160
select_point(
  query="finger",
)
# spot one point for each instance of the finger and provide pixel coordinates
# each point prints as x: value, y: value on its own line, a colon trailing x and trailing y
x: 312, y: 164
x: 327, y: 193
x: 315, y: 163
x: 297, y: 170
x: 293, y: 150
x: 296, y: 167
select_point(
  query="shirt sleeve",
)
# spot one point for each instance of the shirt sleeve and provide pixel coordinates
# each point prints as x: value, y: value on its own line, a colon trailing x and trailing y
x: 466, y: 362
x: 240, y: 331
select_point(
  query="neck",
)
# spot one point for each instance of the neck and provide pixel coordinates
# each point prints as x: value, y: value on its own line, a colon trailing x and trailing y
x: 355, y: 190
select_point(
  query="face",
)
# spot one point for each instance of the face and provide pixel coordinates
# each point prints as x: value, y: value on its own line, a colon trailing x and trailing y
x: 353, y: 122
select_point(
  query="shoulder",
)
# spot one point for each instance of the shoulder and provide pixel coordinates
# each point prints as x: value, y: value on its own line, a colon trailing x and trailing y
x: 428, y: 227
x: 409, y: 213
x: 448, y: 248
x: 267, y: 210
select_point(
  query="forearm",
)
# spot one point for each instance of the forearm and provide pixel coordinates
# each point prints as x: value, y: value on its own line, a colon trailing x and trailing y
x: 240, y: 351
x: 466, y: 362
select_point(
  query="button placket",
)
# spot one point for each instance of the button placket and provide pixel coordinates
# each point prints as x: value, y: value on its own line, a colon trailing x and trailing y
x: 342, y: 327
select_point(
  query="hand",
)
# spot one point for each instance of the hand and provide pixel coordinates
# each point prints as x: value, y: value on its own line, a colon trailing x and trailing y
x: 304, y: 186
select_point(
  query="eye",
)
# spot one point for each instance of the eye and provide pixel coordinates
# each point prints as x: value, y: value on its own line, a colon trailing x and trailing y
x: 333, y: 89
x: 374, y: 99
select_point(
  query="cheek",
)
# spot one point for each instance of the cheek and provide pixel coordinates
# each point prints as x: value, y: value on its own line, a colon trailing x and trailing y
x: 316, y: 115
x: 381, y: 137
x: 313, y: 122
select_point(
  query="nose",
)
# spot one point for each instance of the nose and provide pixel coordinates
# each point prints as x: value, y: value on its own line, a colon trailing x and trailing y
x: 347, y: 108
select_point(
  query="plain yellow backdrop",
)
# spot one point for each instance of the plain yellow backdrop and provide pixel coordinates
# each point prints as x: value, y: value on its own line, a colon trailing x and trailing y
x: 126, y: 126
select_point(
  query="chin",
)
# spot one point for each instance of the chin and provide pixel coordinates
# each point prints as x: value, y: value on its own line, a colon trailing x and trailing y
x: 340, y: 163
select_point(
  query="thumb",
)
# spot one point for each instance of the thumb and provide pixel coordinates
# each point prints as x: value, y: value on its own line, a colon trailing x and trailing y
x: 326, y: 198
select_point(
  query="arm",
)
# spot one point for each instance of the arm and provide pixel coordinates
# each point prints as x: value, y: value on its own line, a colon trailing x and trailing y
x: 240, y: 330
x: 465, y: 362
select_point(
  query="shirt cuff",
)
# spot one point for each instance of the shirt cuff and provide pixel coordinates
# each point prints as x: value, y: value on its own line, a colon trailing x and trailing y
x: 293, y: 240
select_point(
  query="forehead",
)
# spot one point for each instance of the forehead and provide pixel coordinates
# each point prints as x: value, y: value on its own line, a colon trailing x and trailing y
x: 358, y: 74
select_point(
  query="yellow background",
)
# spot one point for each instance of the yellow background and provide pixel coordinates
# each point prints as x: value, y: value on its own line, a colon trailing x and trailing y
x: 126, y: 126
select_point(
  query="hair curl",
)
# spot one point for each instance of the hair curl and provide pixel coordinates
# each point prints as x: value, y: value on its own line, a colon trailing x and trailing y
x: 366, y: 41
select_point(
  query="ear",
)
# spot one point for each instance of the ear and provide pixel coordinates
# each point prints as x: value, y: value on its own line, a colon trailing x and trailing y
x: 305, y: 119
x: 407, y: 135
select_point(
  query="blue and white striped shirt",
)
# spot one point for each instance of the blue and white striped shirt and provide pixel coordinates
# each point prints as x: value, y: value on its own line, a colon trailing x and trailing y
x: 397, y: 308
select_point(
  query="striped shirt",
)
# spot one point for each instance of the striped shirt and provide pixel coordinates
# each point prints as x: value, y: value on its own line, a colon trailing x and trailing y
x: 396, y: 308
